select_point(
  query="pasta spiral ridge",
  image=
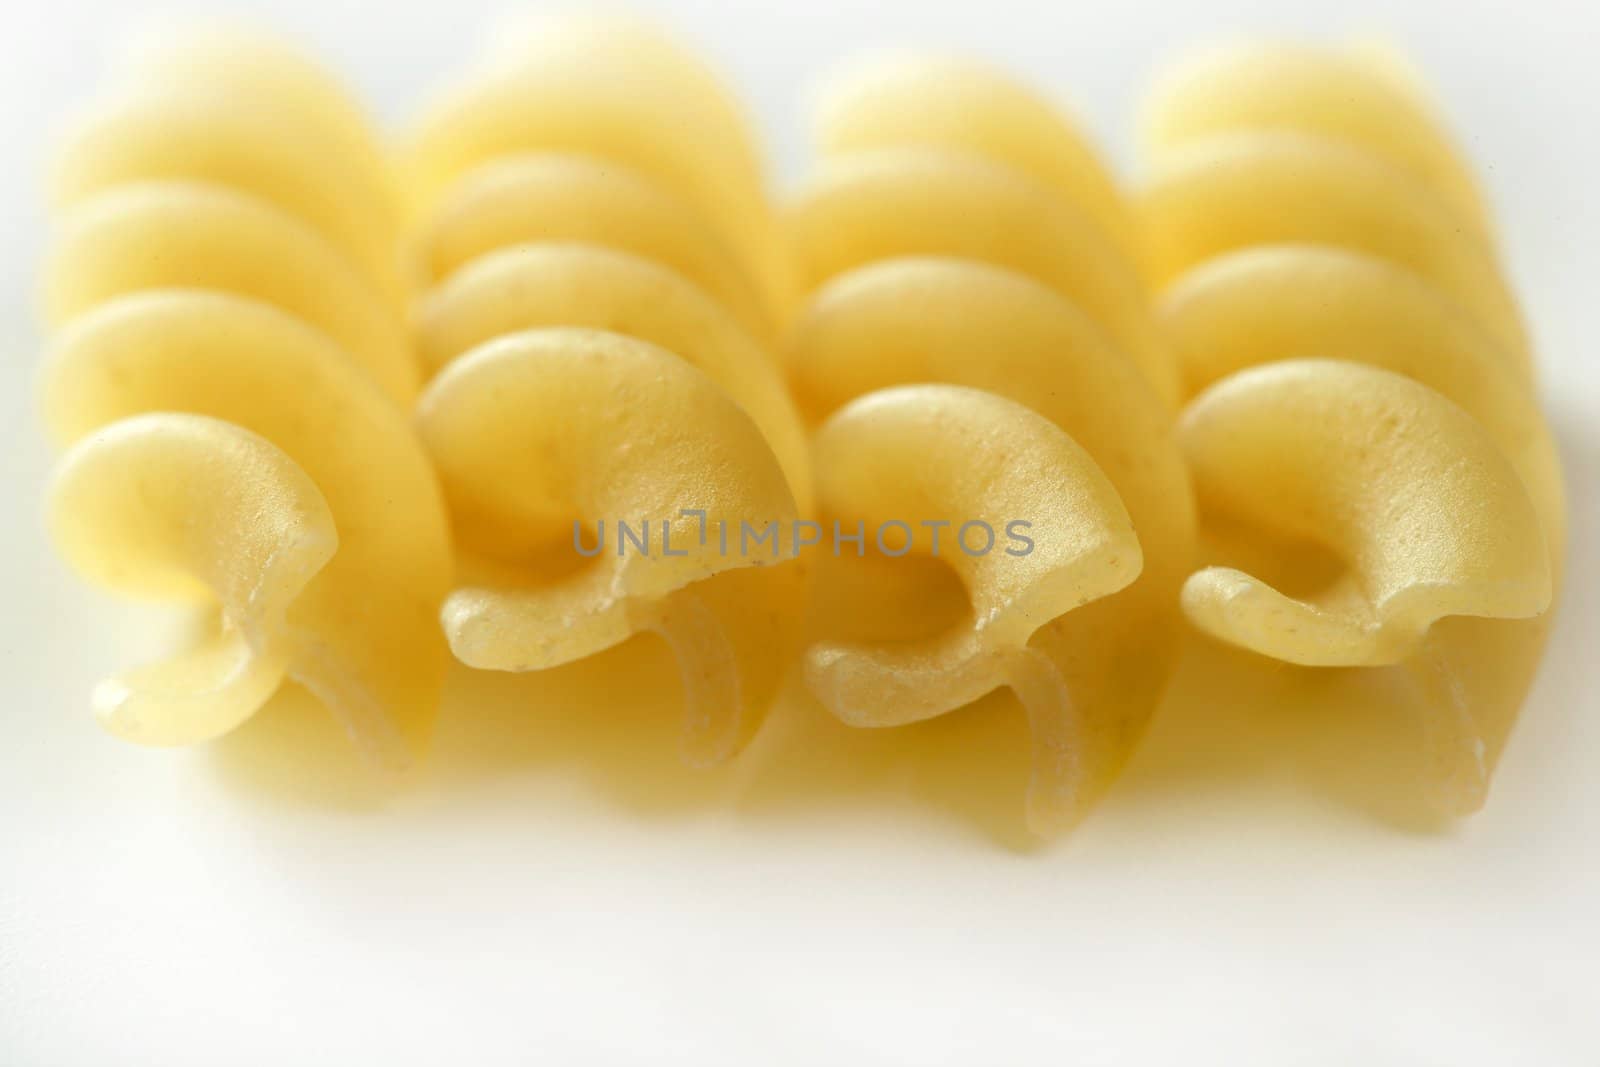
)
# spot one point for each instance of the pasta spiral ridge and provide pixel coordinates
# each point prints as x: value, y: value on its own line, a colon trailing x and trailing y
x: 952, y: 376
x: 592, y: 239
x: 1359, y: 380
x: 230, y: 372
x: 937, y: 156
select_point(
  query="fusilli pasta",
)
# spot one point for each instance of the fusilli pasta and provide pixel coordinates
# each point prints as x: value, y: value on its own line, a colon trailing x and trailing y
x: 1332, y: 295
x: 935, y: 259
x: 604, y: 289
x: 231, y: 375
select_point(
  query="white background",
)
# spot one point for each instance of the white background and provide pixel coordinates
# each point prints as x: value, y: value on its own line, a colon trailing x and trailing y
x: 558, y: 890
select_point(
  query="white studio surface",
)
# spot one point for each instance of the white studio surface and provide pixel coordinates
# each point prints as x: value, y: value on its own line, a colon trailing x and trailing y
x: 156, y: 908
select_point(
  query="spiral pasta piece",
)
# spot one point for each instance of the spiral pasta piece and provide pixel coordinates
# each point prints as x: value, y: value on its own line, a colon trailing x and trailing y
x: 1012, y: 355
x: 1363, y: 385
x: 944, y: 158
x: 600, y: 308
x: 236, y: 406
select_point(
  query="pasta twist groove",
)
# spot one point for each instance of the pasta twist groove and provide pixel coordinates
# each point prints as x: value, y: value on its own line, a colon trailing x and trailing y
x: 1332, y: 296
x: 232, y: 378
x: 921, y: 240
x: 596, y: 245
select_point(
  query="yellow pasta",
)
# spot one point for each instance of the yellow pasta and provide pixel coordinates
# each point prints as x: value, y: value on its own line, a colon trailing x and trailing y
x: 600, y: 390
x: 943, y: 158
x: 602, y: 295
x: 953, y: 103
x: 1086, y: 631
x: 1348, y: 97
x: 232, y: 379
x: 244, y: 115
x: 613, y: 92
x: 1364, y: 390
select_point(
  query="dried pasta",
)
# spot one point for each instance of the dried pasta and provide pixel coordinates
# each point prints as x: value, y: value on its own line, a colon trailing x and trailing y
x: 942, y: 157
x: 602, y: 295
x: 1359, y: 381
x: 954, y: 237
x: 231, y: 376
x: 570, y: 380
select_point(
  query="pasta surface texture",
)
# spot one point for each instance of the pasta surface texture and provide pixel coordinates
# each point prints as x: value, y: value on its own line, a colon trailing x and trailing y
x: 231, y: 376
x: 976, y: 347
x: 601, y: 296
x: 1359, y: 385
